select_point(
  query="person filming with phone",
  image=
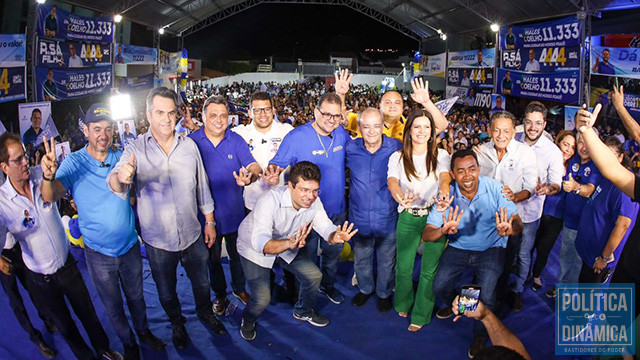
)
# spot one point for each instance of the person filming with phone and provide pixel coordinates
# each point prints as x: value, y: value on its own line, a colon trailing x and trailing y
x: 477, y: 220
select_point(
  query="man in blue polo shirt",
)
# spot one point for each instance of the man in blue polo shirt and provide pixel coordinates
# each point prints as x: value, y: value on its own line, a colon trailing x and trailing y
x: 112, y: 250
x: 321, y: 142
x: 229, y: 166
x: 372, y: 209
x: 477, y: 224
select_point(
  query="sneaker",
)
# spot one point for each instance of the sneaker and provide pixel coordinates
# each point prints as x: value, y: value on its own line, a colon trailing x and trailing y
x: 131, y: 352
x: 220, y: 305
x: 46, y: 350
x: 312, y: 318
x: 360, y: 299
x: 476, y: 346
x: 179, y: 336
x: 111, y: 355
x: 213, y: 323
x: 551, y: 293
x: 248, y: 330
x: 444, y: 313
x: 517, y: 303
x: 151, y: 340
x: 334, y: 295
x: 243, y: 296
x: 385, y: 304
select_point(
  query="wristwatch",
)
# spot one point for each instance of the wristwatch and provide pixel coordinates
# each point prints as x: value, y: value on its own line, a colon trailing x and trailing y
x: 210, y: 223
x: 577, y: 191
x: 606, y: 259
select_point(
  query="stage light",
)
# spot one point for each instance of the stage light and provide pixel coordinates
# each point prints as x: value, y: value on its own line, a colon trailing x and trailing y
x: 161, y: 31
x: 41, y: 1
x: 443, y: 37
x: 495, y: 27
x: 117, y: 18
x: 121, y: 107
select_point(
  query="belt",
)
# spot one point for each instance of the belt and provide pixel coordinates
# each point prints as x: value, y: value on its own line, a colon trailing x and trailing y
x: 418, y: 212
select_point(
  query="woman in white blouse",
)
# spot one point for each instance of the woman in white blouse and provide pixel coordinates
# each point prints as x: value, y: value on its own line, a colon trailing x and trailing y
x: 413, y: 179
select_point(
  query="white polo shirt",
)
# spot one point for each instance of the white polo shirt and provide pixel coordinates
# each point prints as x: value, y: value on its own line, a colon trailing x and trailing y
x: 518, y: 168
x: 550, y: 170
x: 263, y: 148
x: 38, y: 227
x: 274, y: 217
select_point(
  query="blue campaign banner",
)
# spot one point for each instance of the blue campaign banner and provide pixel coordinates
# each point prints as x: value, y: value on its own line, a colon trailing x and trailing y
x: 470, y: 96
x: 61, y: 24
x: 564, y: 32
x: 560, y: 86
x: 470, y: 77
x: 71, y: 54
x: 131, y: 54
x: 12, y: 83
x: 615, y: 61
x: 143, y: 82
x: 63, y: 84
x: 472, y: 58
x: 546, y: 59
x: 13, y: 49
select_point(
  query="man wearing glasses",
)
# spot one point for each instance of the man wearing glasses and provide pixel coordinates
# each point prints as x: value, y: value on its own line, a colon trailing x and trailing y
x: 230, y: 167
x: 321, y: 142
x: 171, y: 186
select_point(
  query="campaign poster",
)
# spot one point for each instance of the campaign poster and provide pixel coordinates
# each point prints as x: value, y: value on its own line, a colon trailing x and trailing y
x: 472, y: 58
x: 127, y: 131
x: 570, y: 116
x: 560, y: 86
x: 169, y: 62
x: 62, y: 84
x: 432, y: 65
x: 33, y: 116
x: 498, y: 103
x: 473, y: 97
x: 56, y: 53
x: 135, y: 83
x: 13, y: 83
x: 131, y: 54
x: 614, y: 61
x: 13, y: 50
x: 470, y: 77
x: 234, y: 120
x: 61, y: 24
x: 62, y: 150
x: 541, y: 47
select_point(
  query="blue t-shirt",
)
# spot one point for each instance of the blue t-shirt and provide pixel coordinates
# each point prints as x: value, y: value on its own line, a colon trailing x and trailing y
x: 477, y: 229
x: 605, y: 68
x: 554, y: 205
x: 598, y: 219
x: 587, y: 173
x: 305, y: 144
x: 231, y: 154
x: 371, y: 207
x: 106, y: 221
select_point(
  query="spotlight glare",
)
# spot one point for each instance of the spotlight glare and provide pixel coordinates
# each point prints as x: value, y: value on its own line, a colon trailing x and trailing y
x: 495, y: 27
x: 121, y: 107
x: 41, y: 1
x: 161, y: 31
x: 117, y: 18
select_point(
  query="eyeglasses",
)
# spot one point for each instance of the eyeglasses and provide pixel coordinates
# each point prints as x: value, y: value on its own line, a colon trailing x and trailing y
x: 19, y: 159
x: 328, y: 116
x: 305, y: 191
x: 266, y: 110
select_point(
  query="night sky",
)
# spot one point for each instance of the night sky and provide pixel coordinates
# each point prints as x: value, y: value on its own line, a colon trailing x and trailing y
x: 291, y: 31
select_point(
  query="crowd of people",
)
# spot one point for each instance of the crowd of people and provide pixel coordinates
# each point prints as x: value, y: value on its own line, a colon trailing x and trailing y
x: 467, y: 189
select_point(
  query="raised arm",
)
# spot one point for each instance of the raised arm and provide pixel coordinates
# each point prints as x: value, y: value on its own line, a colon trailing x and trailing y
x: 52, y: 189
x: 421, y: 96
x: 629, y: 123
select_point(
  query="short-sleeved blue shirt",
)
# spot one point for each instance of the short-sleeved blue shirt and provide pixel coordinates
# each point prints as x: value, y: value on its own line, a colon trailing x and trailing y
x: 305, y: 144
x: 231, y: 154
x: 106, y: 221
x: 477, y: 229
x: 587, y: 173
x: 371, y: 207
x: 599, y: 217
x: 554, y: 205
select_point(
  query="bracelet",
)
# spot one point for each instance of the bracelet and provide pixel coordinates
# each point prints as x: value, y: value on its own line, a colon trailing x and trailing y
x: 210, y: 223
x: 577, y: 191
x: 47, y: 179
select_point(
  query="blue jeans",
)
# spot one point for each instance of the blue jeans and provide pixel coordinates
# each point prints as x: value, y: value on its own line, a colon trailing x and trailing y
x: 216, y: 274
x: 385, y: 249
x: 487, y: 266
x: 329, y: 258
x: 195, y: 260
x: 523, y: 260
x: 570, y: 261
x: 258, y: 281
x: 108, y: 273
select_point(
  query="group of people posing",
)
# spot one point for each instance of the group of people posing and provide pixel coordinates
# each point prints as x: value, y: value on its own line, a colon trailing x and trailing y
x: 276, y: 195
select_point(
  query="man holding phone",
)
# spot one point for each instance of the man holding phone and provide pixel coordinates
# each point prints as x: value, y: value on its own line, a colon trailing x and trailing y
x: 477, y: 220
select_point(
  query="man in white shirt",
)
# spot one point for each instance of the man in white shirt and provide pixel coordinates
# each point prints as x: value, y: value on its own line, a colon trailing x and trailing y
x: 74, y: 60
x: 532, y: 65
x: 274, y: 232
x: 264, y: 137
x: 513, y: 164
x: 54, y: 275
x: 466, y: 82
x: 550, y: 172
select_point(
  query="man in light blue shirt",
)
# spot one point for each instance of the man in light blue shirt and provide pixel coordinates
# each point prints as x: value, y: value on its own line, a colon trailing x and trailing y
x: 477, y: 223
x: 107, y: 224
